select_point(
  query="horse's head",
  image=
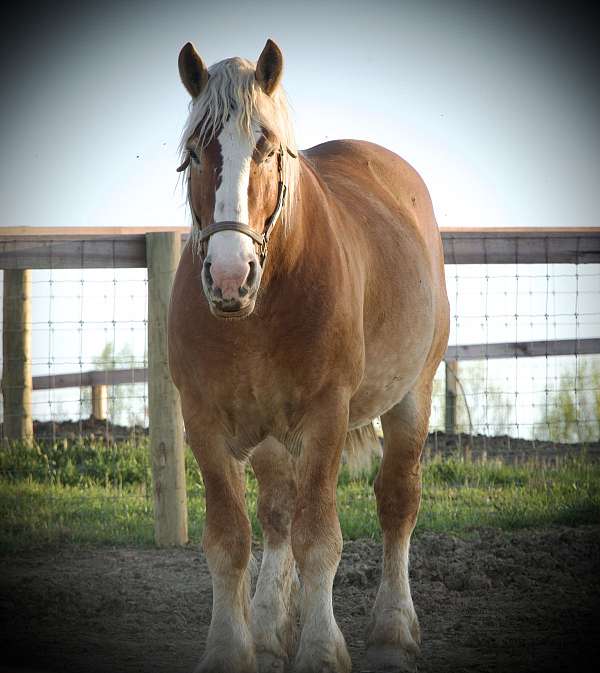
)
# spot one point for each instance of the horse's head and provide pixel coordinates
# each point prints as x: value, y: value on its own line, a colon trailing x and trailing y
x: 238, y: 151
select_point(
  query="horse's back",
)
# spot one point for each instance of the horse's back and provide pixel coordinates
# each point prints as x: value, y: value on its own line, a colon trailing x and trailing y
x: 385, y: 200
x: 352, y: 157
x: 361, y: 169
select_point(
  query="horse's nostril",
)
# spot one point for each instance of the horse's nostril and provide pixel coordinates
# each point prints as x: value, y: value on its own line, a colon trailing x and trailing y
x: 250, y: 280
x: 207, y: 275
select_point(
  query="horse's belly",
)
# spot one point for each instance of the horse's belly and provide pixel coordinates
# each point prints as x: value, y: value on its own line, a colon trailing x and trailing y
x: 390, y: 373
x: 373, y: 400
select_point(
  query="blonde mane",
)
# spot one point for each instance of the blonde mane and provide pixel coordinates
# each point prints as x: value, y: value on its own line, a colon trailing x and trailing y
x: 232, y: 89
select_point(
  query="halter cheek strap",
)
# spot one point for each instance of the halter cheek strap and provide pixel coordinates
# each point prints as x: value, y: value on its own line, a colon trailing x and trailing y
x: 262, y: 240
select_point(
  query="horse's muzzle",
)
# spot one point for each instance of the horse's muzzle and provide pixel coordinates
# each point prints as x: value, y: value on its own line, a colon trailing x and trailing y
x: 231, y: 291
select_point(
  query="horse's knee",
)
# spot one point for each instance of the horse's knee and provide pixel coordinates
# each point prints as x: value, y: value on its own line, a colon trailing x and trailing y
x: 227, y: 537
x: 274, y: 470
x: 316, y: 535
x: 275, y: 509
x: 228, y: 552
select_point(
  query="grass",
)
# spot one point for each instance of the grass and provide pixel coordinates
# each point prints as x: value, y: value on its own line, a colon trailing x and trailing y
x: 87, y: 492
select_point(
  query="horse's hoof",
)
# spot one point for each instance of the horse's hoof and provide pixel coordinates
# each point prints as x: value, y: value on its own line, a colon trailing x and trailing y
x: 220, y: 664
x: 269, y: 663
x: 322, y: 661
x: 390, y: 659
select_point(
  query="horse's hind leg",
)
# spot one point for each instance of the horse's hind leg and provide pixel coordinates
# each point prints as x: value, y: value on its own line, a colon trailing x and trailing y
x: 273, y: 613
x: 393, y: 638
x: 227, y: 542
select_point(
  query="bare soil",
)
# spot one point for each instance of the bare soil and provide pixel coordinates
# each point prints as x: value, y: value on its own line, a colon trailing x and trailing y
x: 498, y: 601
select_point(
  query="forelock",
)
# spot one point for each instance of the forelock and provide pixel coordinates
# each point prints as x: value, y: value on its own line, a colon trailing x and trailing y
x: 232, y: 89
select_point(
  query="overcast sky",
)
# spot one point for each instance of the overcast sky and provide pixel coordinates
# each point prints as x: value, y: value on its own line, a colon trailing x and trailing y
x: 495, y: 103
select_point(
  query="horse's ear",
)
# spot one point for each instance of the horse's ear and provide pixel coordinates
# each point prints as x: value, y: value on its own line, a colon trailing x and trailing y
x: 269, y: 67
x: 192, y: 70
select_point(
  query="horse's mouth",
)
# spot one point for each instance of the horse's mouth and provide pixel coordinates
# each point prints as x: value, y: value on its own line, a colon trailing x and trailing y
x: 232, y: 313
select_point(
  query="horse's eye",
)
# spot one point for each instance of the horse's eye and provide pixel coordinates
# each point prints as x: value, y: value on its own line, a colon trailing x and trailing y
x: 194, y: 157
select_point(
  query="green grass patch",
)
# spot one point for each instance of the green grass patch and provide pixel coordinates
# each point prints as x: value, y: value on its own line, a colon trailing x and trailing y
x: 91, y: 493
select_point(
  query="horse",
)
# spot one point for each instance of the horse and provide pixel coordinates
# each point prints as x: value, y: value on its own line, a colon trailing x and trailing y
x: 309, y: 300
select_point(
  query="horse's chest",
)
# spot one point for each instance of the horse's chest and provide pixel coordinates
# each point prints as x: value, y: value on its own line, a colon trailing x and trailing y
x: 248, y: 408
x: 250, y: 384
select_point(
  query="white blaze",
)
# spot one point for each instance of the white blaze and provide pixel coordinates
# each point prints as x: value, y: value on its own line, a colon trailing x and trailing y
x: 231, y: 198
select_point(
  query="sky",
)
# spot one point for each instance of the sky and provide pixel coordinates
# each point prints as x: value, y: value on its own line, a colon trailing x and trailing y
x: 496, y: 104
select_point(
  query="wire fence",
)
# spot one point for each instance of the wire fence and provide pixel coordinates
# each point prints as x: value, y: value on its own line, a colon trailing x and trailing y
x: 96, y: 320
x: 548, y: 397
x: 82, y: 321
x: 521, y: 379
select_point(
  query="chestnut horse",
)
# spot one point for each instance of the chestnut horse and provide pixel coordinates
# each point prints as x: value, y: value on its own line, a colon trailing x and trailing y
x: 282, y: 359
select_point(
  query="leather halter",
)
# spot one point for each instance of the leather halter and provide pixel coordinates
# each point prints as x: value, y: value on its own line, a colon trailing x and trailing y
x: 262, y: 240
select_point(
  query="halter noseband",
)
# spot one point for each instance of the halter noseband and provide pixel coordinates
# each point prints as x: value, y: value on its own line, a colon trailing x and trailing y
x: 262, y: 240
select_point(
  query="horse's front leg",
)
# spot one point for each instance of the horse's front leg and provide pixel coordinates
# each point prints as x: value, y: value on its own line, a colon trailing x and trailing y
x: 227, y: 545
x: 317, y: 539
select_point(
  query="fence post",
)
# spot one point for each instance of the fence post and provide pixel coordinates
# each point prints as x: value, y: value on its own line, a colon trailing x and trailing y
x: 166, y: 424
x: 450, y: 407
x: 99, y: 401
x: 16, y: 355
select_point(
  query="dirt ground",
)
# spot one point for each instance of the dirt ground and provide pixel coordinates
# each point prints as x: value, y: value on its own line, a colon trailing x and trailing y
x: 521, y: 601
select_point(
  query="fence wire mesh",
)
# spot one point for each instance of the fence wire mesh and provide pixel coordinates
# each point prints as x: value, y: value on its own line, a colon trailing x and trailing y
x: 87, y: 475
x: 548, y: 397
x: 86, y: 321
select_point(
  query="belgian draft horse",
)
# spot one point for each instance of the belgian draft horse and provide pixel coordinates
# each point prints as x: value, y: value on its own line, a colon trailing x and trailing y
x: 309, y: 300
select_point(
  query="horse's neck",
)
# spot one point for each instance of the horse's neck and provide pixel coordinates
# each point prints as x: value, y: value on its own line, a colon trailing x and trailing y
x: 293, y: 237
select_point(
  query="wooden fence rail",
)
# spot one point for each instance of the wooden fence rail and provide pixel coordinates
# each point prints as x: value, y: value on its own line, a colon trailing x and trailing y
x: 70, y: 248
x: 158, y: 249
x: 102, y: 378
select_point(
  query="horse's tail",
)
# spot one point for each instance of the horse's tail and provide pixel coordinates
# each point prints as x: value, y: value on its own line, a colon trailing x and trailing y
x: 362, y: 445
